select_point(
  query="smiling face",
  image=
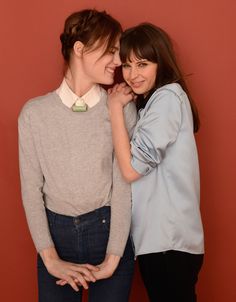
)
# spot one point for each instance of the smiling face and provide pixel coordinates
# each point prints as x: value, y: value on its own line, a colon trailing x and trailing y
x: 99, y: 67
x: 140, y: 74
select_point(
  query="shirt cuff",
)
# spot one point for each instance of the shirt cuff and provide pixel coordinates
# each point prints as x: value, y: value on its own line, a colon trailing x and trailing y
x: 141, y: 167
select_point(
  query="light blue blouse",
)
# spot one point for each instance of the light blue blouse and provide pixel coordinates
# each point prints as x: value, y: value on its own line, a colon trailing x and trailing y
x: 165, y: 209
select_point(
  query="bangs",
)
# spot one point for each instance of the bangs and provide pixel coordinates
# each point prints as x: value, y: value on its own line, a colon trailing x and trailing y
x: 110, y: 32
x: 108, y: 36
x: 138, y: 44
x: 112, y: 39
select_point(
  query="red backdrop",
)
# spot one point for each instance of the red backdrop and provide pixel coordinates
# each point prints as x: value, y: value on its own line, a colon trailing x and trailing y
x: 31, y: 65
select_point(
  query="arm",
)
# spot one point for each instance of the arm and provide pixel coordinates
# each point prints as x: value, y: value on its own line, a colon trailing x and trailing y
x: 158, y: 127
x: 120, y: 210
x: 32, y: 181
x: 118, y: 97
x: 121, y: 143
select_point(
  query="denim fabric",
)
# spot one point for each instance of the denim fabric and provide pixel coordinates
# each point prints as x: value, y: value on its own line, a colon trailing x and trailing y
x: 83, y: 239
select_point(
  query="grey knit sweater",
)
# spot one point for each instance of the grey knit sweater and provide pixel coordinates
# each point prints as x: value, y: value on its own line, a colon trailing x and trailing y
x: 67, y: 165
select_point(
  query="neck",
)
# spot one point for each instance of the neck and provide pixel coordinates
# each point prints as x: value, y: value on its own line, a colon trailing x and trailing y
x: 77, y: 82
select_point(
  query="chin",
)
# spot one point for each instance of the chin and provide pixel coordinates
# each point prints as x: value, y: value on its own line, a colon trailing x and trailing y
x: 108, y: 82
x: 138, y: 91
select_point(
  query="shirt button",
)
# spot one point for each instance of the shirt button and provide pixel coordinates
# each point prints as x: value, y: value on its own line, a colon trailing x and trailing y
x: 76, y: 220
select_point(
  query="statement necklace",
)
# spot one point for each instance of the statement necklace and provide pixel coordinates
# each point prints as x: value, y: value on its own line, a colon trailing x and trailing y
x: 80, y: 106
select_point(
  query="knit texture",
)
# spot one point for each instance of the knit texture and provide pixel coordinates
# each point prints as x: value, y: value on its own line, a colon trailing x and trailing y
x: 67, y: 165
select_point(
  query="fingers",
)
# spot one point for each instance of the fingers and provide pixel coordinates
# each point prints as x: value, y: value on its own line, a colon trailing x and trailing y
x: 90, y: 267
x: 123, y: 87
x: 72, y: 283
x: 61, y: 282
x: 81, y: 274
x: 79, y: 279
x: 85, y: 270
x: 127, y: 90
x: 119, y: 87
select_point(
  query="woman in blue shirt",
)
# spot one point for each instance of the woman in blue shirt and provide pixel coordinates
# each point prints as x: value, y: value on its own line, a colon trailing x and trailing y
x: 161, y: 162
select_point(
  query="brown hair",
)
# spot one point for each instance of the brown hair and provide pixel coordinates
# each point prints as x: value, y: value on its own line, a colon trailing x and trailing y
x: 89, y: 26
x: 150, y: 42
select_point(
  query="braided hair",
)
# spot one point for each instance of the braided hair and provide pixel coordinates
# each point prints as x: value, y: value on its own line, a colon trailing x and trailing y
x: 89, y: 26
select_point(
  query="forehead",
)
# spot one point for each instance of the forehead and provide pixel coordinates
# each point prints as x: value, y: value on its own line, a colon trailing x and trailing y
x: 103, y: 44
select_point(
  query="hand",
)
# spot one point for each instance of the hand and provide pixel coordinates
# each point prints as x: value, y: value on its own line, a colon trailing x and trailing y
x: 120, y: 94
x: 103, y: 271
x: 70, y: 273
x: 107, y: 267
x: 87, y: 273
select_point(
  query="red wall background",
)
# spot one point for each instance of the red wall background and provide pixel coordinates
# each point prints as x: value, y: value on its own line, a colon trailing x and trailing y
x: 31, y: 64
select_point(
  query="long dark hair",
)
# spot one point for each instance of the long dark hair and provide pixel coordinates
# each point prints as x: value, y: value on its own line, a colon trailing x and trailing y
x: 147, y: 41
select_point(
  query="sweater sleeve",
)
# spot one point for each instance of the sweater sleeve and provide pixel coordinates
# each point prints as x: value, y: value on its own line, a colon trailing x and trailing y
x: 121, y: 197
x: 157, y: 129
x: 32, y: 181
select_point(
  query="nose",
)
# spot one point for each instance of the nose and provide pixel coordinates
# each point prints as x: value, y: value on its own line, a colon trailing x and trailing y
x: 116, y: 59
x: 133, y: 73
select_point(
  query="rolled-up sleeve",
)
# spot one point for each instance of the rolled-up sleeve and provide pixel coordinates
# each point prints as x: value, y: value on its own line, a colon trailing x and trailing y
x: 157, y: 128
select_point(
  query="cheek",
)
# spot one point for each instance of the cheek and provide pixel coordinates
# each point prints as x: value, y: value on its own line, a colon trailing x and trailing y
x: 152, y: 78
x: 125, y: 74
x: 153, y: 81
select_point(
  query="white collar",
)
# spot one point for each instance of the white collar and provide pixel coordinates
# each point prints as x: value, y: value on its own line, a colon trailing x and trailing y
x: 68, y: 97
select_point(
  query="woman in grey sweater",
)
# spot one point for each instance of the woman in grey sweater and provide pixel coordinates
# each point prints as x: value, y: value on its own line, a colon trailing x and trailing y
x: 76, y: 203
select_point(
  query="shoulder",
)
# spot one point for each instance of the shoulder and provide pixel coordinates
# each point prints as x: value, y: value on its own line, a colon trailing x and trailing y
x: 172, y: 91
x: 130, y: 109
x: 165, y: 103
x: 167, y: 95
x: 36, y: 105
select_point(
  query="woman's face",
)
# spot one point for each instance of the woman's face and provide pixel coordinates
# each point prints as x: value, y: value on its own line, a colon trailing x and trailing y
x: 140, y: 74
x: 99, y: 68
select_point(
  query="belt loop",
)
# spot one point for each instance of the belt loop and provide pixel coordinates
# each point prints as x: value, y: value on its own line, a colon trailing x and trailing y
x: 76, y: 220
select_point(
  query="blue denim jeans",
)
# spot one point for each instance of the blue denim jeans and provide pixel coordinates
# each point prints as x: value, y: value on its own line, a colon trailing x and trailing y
x: 83, y: 239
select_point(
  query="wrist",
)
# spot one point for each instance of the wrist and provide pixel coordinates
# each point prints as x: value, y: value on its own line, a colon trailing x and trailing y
x: 112, y: 259
x: 116, y: 111
x: 115, y: 106
x: 48, y: 255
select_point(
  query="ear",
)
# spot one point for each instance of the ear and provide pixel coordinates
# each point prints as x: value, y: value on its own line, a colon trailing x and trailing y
x: 78, y: 48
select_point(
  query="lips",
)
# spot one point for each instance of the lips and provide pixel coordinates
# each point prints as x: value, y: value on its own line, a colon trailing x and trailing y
x: 136, y: 84
x: 110, y: 70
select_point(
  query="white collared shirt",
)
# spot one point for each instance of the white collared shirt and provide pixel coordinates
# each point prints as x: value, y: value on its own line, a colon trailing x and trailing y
x: 68, y: 97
